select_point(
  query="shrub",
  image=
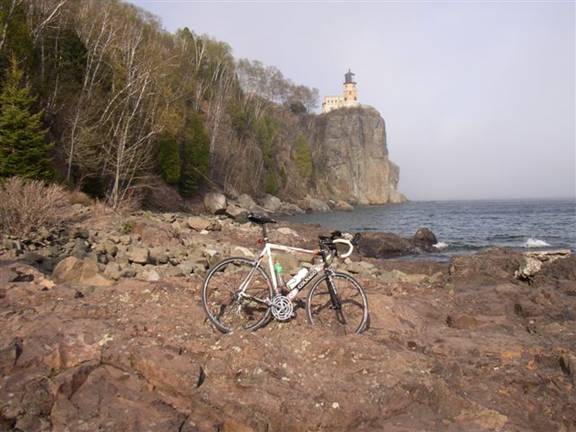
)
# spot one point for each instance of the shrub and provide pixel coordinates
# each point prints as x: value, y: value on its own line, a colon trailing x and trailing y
x: 79, y: 197
x: 26, y: 205
x: 127, y: 227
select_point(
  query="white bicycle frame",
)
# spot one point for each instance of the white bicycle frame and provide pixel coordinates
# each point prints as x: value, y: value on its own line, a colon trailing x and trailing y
x: 267, y: 253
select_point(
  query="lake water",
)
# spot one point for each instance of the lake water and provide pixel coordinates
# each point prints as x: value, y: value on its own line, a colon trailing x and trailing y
x: 465, y: 226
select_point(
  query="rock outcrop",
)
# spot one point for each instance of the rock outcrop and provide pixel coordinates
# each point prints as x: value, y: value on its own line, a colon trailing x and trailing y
x: 473, y: 350
x: 350, y: 152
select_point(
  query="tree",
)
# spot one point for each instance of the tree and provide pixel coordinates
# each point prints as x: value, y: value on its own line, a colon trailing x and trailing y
x: 303, y: 157
x: 169, y: 159
x: 195, y: 156
x: 24, y: 151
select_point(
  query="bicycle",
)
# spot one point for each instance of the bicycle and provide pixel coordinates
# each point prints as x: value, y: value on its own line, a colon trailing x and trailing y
x: 238, y: 293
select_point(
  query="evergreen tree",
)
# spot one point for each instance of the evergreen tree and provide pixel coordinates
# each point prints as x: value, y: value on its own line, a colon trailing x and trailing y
x: 169, y: 159
x: 195, y: 156
x: 271, y: 182
x: 303, y: 157
x: 23, y: 148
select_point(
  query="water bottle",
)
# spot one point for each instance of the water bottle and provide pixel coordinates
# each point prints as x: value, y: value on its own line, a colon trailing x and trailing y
x: 293, y: 283
x: 279, y: 270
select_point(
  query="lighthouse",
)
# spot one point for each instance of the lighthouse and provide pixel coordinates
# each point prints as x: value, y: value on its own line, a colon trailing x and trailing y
x: 348, y: 100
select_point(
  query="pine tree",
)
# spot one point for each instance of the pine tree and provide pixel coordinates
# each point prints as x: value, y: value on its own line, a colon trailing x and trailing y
x: 303, y: 157
x: 24, y: 151
x: 169, y: 159
x: 195, y: 157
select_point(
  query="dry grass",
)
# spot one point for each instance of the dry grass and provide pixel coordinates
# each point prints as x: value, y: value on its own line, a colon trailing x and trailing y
x: 99, y: 208
x: 78, y: 197
x: 130, y: 204
x: 27, y: 205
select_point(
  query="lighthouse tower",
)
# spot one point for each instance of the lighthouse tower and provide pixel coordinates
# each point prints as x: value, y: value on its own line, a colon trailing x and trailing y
x: 347, y: 100
x: 350, y: 91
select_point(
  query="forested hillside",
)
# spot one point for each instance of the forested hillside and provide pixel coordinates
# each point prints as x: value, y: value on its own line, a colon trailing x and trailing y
x: 123, y: 107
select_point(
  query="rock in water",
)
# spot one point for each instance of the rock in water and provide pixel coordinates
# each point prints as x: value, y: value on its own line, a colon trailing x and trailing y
x: 384, y: 245
x: 215, y: 202
x: 425, y: 239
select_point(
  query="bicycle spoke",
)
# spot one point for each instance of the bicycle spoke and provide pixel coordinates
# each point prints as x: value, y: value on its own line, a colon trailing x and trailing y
x: 351, y: 314
x: 228, y: 306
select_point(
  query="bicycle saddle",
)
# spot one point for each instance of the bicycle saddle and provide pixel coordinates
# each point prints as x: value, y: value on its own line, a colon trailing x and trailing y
x: 259, y: 219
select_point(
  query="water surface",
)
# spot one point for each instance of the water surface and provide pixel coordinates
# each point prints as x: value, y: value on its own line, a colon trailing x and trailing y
x: 465, y: 226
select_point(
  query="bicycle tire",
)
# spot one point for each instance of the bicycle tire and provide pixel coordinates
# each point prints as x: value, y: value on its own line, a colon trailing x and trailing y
x: 254, y: 313
x: 353, y: 316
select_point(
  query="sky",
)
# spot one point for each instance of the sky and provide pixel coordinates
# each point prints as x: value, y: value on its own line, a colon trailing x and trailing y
x: 478, y: 97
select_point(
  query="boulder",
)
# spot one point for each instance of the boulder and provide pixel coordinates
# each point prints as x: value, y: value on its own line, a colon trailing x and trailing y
x: 384, y: 245
x: 236, y: 212
x: 84, y: 272
x: 158, y: 256
x: 198, y: 223
x: 215, y: 202
x: 215, y: 225
x: 361, y: 267
x: 315, y: 205
x: 271, y: 203
x: 287, y: 231
x: 128, y: 272
x: 343, y: 206
x: 106, y: 247
x: 528, y: 268
x: 290, y: 208
x: 113, y: 271
x: 186, y: 266
x: 138, y: 255
x: 242, y: 251
x: 425, y: 239
x: 149, y: 275
x: 246, y: 201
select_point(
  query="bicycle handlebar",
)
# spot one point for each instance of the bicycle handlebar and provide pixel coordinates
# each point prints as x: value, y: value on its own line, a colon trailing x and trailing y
x: 346, y: 242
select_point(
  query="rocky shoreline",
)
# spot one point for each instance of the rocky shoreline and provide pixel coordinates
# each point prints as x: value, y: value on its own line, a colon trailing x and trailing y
x: 103, y: 330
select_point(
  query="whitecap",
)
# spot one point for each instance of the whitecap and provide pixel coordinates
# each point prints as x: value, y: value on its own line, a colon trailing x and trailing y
x: 532, y: 243
x: 441, y: 245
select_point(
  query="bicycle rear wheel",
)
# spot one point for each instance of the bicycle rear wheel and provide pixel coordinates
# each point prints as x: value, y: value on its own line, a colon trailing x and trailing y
x: 225, y: 308
x: 350, y: 317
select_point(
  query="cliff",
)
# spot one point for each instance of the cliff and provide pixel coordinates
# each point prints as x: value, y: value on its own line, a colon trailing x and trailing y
x: 351, y: 158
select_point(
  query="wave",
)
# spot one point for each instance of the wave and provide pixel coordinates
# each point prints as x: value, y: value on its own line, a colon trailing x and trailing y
x: 533, y: 243
x: 441, y: 245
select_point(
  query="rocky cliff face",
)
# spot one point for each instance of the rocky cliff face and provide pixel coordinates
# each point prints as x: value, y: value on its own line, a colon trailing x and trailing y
x: 351, y: 158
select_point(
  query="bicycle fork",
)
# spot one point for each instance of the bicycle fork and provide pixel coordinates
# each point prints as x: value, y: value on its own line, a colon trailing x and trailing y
x: 336, y: 303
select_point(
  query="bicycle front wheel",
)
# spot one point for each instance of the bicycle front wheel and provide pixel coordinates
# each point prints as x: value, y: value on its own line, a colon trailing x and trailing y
x: 344, y: 312
x: 221, y: 299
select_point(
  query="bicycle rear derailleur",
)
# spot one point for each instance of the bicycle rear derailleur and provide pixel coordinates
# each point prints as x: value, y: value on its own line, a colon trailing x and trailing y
x: 282, y: 307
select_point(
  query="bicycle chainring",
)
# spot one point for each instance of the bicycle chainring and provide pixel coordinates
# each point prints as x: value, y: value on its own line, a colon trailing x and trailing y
x: 282, y: 307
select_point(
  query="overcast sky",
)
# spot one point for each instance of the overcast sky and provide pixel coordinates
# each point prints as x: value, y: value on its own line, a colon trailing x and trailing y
x: 478, y: 97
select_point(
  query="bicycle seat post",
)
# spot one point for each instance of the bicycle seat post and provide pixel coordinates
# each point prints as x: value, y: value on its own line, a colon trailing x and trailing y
x: 265, y: 233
